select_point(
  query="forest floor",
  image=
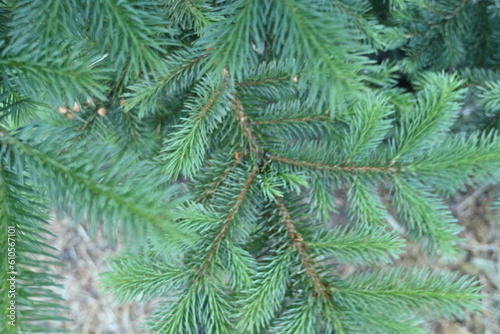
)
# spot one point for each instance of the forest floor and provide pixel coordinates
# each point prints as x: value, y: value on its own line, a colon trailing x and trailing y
x: 92, y: 311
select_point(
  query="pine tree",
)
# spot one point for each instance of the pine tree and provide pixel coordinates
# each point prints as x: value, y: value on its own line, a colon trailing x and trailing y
x: 219, y: 136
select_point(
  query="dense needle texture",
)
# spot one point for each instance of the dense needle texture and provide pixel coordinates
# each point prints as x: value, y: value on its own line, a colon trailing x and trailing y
x: 266, y: 161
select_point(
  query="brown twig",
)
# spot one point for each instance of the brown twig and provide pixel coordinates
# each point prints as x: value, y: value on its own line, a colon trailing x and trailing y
x: 208, y: 105
x: 210, y: 190
x: 253, y: 83
x: 300, y: 246
x: 197, y: 60
x: 245, y: 125
x: 291, y: 120
x: 227, y: 222
x: 339, y: 168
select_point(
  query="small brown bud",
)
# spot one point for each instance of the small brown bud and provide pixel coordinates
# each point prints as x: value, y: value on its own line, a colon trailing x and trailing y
x: 70, y: 115
x: 123, y: 102
x: 102, y: 111
x: 62, y: 110
x: 76, y: 107
x: 90, y: 101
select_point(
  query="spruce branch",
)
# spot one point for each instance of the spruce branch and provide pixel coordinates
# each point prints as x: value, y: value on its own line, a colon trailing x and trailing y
x: 264, y: 299
x: 182, y: 72
x: 300, y: 246
x: 423, y: 290
x: 364, y: 203
x: 337, y: 168
x: 227, y: 223
x: 53, y: 172
x: 265, y: 81
x: 244, y: 122
x: 360, y: 244
x: 23, y: 221
x: 142, y: 276
x: 143, y: 35
x: 291, y: 120
x: 45, y: 77
x: 229, y: 136
x: 189, y: 13
x: 210, y: 189
x: 184, y: 150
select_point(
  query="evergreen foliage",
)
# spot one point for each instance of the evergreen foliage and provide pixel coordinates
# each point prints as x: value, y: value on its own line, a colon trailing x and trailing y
x: 220, y: 136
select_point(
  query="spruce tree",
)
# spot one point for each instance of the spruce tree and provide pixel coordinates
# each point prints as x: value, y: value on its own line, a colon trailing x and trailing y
x: 218, y: 136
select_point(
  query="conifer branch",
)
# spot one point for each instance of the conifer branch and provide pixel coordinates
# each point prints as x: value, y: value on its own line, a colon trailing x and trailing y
x: 227, y: 222
x: 44, y: 164
x: 300, y: 246
x: 210, y: 190
x: 202, y: 81
x: 145, y: 94
x: 207, y: 106
x: 245, y: 125
x: 197, y: 13
x: 183, y: 68
x: 185, y: 148
x: 436, y: 27
x: 260, y: 82
x: 456, y: 11
x: 23, y: 237
x: 291, y: 120
x: 336, y: 168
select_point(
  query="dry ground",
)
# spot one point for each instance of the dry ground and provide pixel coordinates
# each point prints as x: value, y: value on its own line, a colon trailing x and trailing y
x: 93, y: 312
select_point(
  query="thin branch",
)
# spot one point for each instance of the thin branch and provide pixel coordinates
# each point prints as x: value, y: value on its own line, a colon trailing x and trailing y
x: 438, y: 26
x: 162, y: 118
x: 197, y: 60
x: 291, y: 120
x: 337, y: 168
x: 207, y: 106
x: 300, y: 246
x: 349, y: 12
x: 456, y: 11
x: 244, y: 123
x: 210, y: 190
x: 227, y: 222
x: 254, y: 83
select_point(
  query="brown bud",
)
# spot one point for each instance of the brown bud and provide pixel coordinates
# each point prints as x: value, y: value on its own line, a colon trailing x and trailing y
x: 90, y: 101
x: 123, y: 102
x: 62, y: 110
x: 70, y: 115
x: 102, y: 111
x: 76, y: 107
